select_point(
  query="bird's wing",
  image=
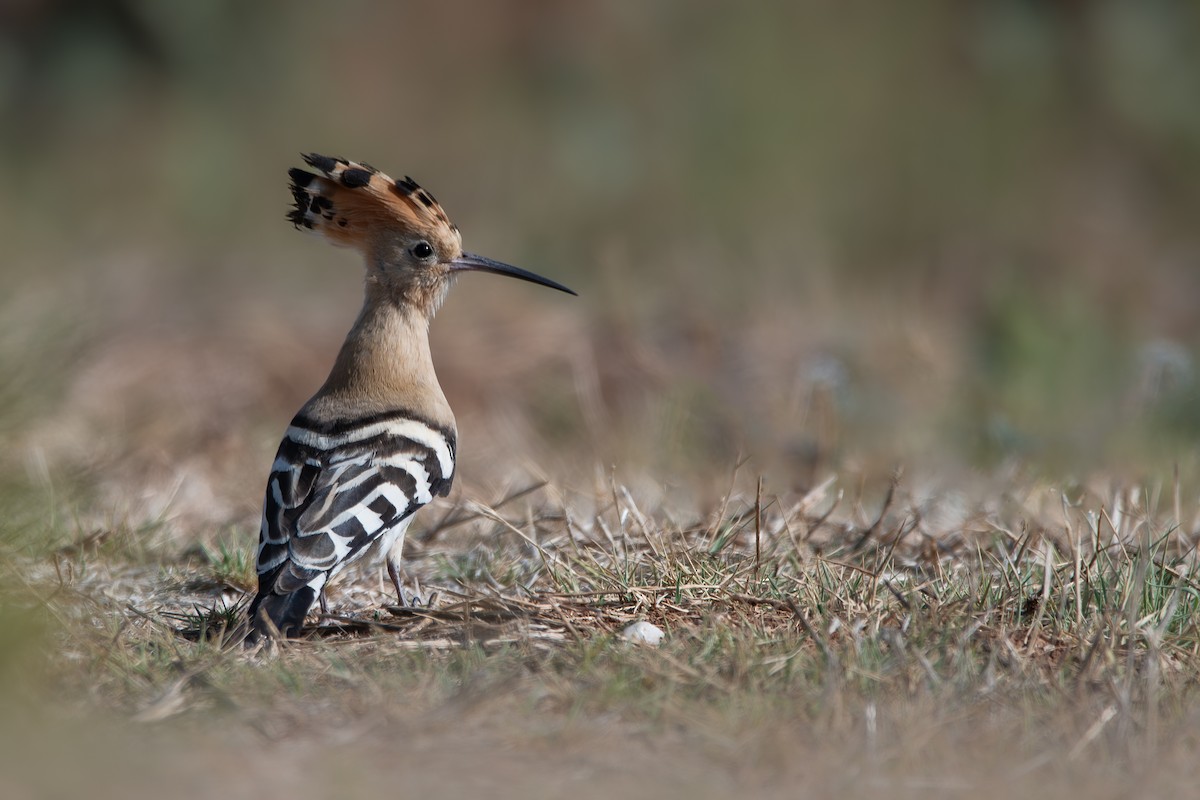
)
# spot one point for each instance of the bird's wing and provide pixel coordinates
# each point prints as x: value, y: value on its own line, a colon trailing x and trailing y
x: 334, y: 491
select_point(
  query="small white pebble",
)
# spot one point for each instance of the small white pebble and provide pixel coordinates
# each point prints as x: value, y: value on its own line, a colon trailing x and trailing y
x: 643, y: 633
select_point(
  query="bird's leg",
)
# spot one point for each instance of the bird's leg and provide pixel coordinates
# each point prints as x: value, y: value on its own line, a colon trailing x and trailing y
x: 324, y: 602
x: 393, y: 570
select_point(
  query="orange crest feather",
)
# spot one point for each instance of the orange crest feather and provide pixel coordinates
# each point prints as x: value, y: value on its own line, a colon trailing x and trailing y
x: 351, y: 203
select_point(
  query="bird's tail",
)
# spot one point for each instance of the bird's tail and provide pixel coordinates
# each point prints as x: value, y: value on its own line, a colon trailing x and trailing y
x: 279, y: 615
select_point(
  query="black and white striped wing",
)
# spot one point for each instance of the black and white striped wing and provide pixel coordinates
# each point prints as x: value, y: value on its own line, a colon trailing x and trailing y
x: 335, y: 491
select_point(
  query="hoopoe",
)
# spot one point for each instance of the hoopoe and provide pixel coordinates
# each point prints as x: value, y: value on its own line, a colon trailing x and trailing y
x: 377, y: 441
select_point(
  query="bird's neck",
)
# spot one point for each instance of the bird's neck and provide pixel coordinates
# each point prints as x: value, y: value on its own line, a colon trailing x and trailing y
x: 385, y: 364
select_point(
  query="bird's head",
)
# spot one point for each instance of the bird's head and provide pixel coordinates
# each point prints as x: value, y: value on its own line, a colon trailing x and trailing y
x: 411, y: 247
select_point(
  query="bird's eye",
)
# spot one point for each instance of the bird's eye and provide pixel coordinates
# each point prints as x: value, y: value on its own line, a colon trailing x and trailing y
x: 422, y: 250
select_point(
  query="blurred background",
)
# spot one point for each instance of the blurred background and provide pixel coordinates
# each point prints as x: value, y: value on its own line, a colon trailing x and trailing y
x: 817, y: 239
x: 953, y: 235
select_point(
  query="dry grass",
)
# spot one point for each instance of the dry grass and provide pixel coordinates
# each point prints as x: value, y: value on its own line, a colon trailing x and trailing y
x: 830, y: 624
x: 833, y: 625
x: 839, y: 640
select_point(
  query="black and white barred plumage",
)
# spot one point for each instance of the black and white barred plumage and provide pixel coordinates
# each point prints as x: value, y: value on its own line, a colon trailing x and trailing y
x: 336, y: 492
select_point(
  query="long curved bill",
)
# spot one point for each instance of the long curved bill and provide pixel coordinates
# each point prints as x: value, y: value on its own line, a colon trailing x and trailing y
x: 469, y: 262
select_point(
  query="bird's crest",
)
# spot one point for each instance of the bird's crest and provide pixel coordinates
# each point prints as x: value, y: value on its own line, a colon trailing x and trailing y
x: 352, y: 203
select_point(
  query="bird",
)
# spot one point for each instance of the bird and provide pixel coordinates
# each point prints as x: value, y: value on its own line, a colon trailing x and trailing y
x: 377, y: 441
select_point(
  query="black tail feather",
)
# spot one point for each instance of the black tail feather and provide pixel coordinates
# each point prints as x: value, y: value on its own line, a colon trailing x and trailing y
x: 279, y: 615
